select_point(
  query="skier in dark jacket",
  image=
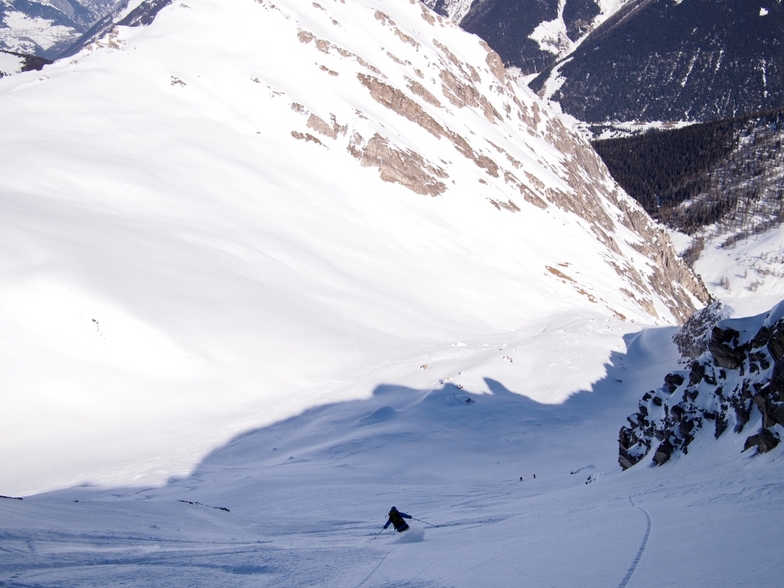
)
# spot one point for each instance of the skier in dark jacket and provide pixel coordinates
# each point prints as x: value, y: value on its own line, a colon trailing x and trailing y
x: 396, y: 518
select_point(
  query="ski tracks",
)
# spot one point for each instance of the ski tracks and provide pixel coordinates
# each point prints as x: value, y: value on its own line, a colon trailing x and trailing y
x: 378, y: 565
x: 640, y: 551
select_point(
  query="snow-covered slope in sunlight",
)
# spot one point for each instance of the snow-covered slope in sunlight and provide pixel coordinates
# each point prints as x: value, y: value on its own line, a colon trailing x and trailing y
x: 247, y: 209
x: 747, y: 275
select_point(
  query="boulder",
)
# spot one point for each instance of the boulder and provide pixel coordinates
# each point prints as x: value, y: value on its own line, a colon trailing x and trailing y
x: 663, y: 452
x: 766, y: 408
x: 777, y: 379
x: 765, y: 440
x: 778, y: 414
x: 776, y: 342
x: 697, y: 373
x: 672, y: 381
x: 722, y: 347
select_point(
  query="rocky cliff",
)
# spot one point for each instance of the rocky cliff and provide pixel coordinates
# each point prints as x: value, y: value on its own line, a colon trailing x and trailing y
x: 734, y: 383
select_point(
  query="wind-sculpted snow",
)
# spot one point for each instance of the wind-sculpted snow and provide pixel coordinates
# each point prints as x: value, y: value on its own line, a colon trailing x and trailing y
x: 245, y: 209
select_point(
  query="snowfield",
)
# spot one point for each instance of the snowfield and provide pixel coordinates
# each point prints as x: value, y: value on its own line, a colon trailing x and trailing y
x: 183, y: 258
x: 233, y: 337
x: 303, y: 502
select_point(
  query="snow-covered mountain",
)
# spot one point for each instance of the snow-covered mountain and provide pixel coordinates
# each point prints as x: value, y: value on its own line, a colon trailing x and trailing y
x: 664, y: 60
x: 248, y: 208
x: 530, y: 34
x: 47, y: 27
x: 504, y: 490
x: 12, y: 62
x: 268, y: 268
x: 721, y: 183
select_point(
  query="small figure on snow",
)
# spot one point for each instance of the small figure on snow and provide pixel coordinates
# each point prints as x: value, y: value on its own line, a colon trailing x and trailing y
x: 396, y: 518
x: 534, y: 476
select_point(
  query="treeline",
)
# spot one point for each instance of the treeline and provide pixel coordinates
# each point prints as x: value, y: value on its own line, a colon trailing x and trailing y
x: 692, y: 177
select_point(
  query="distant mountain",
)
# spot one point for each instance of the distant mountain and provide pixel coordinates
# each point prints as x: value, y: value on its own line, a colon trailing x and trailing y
x: 454, y: 10
x: 661, y: 60
x: 127, y: 13
x: 46, y: 28
x: 528, y: 34
x: 722, y: 183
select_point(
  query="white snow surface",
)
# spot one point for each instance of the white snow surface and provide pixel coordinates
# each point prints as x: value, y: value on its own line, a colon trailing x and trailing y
x: 10, y: 64
x: 176, y: 267
x: 227, y: 352
x: 303, y: 502
x: 746, y: 277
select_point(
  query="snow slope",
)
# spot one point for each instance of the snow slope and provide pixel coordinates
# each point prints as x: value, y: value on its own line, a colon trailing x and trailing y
x: 302, y: 503
x: 218, y: 221
x: 236, y: 332
x: 745, y: 276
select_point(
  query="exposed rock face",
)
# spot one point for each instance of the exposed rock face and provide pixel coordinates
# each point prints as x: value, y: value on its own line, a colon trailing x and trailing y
x: 403, y: 167
x: 692, y: 339
x: 764, y: 441
x: 741, y: 368
x: 447, y: 120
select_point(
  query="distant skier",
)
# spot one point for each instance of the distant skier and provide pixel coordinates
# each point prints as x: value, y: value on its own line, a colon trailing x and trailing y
x: 396, y: 518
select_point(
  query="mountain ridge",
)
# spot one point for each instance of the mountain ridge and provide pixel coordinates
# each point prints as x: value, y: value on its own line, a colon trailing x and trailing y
x: 229, y: 223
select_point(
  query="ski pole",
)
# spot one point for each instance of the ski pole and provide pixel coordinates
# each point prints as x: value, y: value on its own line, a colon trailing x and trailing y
x: 377, y: 534
x: 421, y: 521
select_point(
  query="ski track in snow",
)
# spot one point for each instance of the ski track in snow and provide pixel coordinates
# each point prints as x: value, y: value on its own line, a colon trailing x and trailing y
x: 378, y: 565
x: 641, y: 550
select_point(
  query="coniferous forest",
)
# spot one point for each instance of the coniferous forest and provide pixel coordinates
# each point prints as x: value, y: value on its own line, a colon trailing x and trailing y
x: 727, y: 171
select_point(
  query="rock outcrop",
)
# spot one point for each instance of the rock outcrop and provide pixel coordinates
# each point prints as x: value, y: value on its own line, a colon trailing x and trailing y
x: 738, y: 375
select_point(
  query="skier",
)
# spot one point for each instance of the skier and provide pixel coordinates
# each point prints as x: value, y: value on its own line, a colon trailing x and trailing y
x: 396, y: 518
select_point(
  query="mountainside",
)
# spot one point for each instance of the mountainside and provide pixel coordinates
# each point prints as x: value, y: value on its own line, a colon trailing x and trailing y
x: 529, y: 34
x: 249, y: 208
x: 499, y: 487
x: 454, y: 10
x: 12, y: 62
x: 662, y: 60
x: 45, y: 28
x: 271, y: 267
x: 722, y: 183
x: 728, y: 172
